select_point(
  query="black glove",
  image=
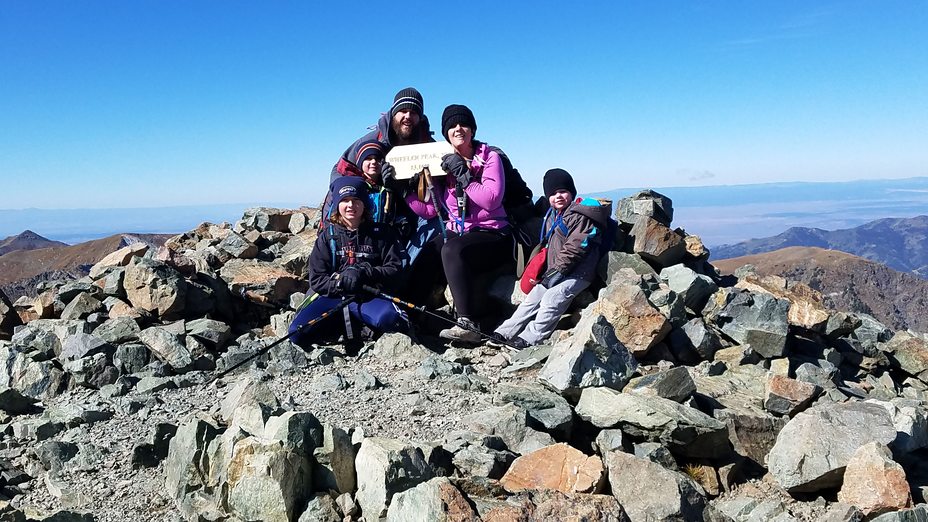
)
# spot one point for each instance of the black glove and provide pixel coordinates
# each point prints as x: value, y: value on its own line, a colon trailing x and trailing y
x: 404, y: 228
x: 552, y: 278
x: 455, y: 165
x: 349, y: 280
x: 367, y: 271
x: 388, y: 177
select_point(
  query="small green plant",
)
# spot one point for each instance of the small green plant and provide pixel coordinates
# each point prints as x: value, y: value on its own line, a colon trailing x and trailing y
x: 694, y: 471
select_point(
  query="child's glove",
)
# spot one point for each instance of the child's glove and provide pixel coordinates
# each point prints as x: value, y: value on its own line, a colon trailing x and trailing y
x: 388, y: 176
x: 552, y: 278
x: 349, y: 280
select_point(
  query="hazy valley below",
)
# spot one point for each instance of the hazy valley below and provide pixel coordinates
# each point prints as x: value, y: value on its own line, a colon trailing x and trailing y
x: 721, y: 214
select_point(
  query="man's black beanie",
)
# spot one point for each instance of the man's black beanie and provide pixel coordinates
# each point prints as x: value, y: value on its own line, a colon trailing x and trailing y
x: 408, y: 98
x: 557, y: 179
x: 455, y: 114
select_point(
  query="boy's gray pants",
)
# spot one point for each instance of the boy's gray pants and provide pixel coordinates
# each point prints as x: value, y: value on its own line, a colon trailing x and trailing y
x: 545, y: 305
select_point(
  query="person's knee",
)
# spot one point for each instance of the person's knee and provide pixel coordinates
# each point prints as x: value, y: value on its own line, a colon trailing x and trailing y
x: 557, y: 296
x: 381, y: 315
x: 453, y: 248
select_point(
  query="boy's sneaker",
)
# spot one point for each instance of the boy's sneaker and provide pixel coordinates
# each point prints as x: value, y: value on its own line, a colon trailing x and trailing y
x: 457, y: 333
x: 517, y: 343
x: 496, y: 340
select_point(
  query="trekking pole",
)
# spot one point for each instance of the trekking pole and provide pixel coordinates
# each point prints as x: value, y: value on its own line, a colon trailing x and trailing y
x: 438, y: 205
x: 266, y: 349
x: 425, y: 310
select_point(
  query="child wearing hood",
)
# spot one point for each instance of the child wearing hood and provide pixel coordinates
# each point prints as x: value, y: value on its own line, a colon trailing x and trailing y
x: 573, y: 231
x: 351, y: 252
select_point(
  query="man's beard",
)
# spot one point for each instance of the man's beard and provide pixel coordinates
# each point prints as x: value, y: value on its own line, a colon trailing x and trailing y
x: 404, y: 132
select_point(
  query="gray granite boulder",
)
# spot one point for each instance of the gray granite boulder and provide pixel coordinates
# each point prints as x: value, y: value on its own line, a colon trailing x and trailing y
x: 267, y: 480
x: 815, y: 446
x: 648, y: 491
x: 334, y: 469
x: 436, y: 500
x: 694, y: 341
x: 215, y: 333
x: 118, y: 330
x: 82, y: 306
x: 384, y: 468
x: 911, y: 422
x: 645, y: 203
x: 754, y: 318
x: 508, y: 422
x: 657, y: 243
x: 684, y: 430
x: 592, y: 356
x: 674, y: 384
x: 694, y: 288
x: 155, y: 287
x: 249, y: 405
x: 613, y: 262
x: 82, y: 345
x: 168, y: 346
x: 546, y: 410
x: 187, y: 464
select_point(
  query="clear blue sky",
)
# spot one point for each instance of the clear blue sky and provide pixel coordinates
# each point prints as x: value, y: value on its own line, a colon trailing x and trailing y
x: 155, y: 103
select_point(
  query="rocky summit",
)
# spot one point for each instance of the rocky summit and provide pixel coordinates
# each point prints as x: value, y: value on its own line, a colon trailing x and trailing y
x: 668, y: 393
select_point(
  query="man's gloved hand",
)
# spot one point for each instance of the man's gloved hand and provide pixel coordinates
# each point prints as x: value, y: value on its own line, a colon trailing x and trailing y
x: 455, y: 165
x: 552, y: 278
x: 349, y: 280
x: 388, y: 177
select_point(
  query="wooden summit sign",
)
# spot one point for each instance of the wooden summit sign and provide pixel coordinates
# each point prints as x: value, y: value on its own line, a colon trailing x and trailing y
x: 410, y: 159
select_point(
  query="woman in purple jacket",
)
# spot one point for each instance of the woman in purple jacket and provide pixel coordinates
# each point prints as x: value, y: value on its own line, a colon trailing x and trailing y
x: 478, y: 239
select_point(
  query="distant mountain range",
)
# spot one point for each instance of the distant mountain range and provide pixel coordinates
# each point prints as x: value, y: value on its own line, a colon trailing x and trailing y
x: 727, y: 214
x: 899, y: 243
x: 39, y: 259
x: 719, y: 214
x: 28, y: 240
x: 77, y: 225
x: 847, y: 282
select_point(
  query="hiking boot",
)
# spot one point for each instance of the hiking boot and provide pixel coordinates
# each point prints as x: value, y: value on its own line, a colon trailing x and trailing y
x: 517, y: 343
x: 496, y: 340
x: 456, y: 333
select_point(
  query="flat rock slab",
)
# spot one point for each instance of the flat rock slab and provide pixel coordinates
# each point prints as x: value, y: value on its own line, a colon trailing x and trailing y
x: 546, y: 409
x: 559, y: 467
x: 674, y: 384
x: 554, y: 505
x: 788, y: 396
x: 120, y: 257
x: 684, y: 430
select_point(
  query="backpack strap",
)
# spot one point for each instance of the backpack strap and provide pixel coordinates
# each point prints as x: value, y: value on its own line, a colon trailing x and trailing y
x: 332, y: 244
